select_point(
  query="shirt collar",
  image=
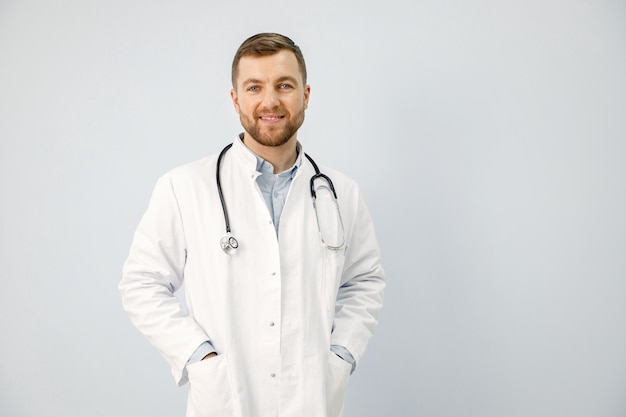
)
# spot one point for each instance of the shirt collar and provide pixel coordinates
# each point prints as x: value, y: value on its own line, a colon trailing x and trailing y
x: 263, y: 166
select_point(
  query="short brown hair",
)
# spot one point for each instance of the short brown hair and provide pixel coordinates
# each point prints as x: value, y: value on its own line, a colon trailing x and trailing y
x: 263, y: 44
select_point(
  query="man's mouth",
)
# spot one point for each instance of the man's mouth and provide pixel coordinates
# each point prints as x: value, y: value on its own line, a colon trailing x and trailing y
x: 271, y: 117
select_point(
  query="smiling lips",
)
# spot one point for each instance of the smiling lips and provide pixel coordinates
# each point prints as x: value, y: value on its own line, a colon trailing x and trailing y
x: 271, y: 118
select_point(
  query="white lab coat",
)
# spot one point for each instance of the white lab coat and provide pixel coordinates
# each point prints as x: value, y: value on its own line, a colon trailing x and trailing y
x: 271, y: 310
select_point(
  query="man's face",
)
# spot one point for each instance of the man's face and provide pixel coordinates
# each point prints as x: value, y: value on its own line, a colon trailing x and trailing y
x: 270, y: 97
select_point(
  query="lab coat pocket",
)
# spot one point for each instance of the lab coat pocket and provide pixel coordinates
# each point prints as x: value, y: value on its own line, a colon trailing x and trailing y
x: 336, y: 383
x: 210, y: 390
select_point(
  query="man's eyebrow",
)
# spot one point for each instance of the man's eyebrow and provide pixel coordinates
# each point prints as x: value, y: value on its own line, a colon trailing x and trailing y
x: 251, y: 81
x: 287, y: 78
x: 280, y: 80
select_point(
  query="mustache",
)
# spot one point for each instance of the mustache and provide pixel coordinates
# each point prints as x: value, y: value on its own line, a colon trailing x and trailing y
x: 278, y: 110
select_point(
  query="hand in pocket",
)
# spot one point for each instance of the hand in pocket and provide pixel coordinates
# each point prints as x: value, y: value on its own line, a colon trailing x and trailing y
x: 210, y: 390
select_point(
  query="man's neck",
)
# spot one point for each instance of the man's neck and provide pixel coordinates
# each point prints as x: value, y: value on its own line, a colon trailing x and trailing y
x: 281, y: 157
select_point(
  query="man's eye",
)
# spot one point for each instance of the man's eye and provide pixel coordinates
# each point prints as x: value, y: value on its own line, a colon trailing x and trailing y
x: 253, y: 88
x: 285, y: 86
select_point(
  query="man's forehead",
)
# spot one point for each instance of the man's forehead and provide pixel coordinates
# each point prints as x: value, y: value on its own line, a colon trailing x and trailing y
x: 284, y: 56
x: 280, y: 64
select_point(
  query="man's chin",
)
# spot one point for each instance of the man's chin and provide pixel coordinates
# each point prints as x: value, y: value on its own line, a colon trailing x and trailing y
x: 274, y: 139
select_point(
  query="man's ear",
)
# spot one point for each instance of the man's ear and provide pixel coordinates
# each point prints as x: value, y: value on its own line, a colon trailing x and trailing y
x: 235, y: 99
x: 307, y: 93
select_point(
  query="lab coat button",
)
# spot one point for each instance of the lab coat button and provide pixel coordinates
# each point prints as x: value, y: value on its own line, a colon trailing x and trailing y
x: 273, y: 375
x: 271, y: 324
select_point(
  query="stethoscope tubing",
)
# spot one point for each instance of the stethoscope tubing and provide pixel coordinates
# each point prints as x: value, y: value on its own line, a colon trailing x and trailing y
x: 317, y: 175
x: 219, y: 186
x: 229, y: 243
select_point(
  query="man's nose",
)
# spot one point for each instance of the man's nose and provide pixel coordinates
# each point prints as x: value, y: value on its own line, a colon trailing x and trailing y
x: 270, y: 98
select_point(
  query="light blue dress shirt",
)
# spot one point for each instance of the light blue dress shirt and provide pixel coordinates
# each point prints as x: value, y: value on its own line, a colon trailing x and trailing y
x: 274, y: 188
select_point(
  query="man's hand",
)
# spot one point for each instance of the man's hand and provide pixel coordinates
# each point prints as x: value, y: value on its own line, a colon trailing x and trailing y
x: 210, y: 355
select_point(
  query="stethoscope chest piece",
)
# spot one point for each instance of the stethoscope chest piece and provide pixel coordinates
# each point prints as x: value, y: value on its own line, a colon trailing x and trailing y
x: 229, y: 244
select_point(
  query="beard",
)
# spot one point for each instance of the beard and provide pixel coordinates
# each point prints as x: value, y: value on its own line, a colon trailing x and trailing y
x: 272, y: 135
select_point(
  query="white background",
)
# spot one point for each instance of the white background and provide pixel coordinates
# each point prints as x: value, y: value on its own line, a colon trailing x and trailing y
x: 489, y: 139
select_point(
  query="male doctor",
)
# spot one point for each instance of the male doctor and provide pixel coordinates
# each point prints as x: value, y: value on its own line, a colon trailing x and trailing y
x: 275, y: 324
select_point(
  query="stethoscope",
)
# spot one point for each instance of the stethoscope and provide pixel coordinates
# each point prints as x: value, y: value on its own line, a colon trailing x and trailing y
x: 229, y: 243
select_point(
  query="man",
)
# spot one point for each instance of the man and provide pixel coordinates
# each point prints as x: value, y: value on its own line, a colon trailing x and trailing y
x: 280, y: 310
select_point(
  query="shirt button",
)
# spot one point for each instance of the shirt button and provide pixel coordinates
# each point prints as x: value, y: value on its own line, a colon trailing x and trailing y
x: 273, y: 274
x: 271, y: 324
x: 273, y: 375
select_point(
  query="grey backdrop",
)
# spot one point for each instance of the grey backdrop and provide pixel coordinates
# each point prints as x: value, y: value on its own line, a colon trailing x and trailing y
x: 488, y: 137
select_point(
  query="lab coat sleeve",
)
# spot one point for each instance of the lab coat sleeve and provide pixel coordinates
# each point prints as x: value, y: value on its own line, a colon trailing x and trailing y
x: 152, y: 274
x: 360, y: 295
